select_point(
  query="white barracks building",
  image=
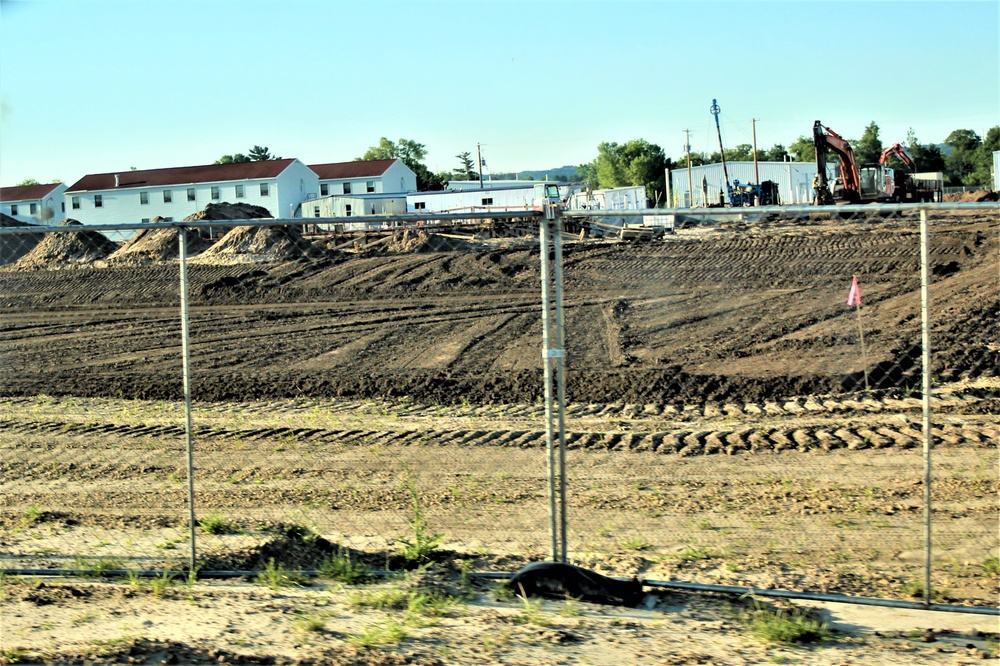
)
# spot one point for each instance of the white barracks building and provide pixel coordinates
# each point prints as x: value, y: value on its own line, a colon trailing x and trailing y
x: 128, y: 197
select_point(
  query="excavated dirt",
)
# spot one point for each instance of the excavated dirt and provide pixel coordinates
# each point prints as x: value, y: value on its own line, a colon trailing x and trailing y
x: 151, y: 245
x: 260, y: 245
x: 67, y: 249
x: 16, y: 246
x: 416, y: 240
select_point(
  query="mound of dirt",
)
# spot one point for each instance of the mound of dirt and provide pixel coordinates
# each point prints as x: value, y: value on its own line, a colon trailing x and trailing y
x: 62, y: 250
x: 158, y: 245
x: 260, y: 245
x: 975, y: 197
x: 15, y: 246
x: 229, y: 211
x: 418, y: 240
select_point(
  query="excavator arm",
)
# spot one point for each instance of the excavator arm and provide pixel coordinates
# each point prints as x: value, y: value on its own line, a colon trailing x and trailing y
x: 897, y: 150
x: 826, y: 139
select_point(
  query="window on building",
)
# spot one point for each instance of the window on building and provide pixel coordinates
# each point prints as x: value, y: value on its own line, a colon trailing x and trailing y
x: 239, y: 191
x: 265, y: 189
x: 98, y: 201
x: 347, y: 188
x: 190, y: 194
x: 347, y: 210
x: 168, y: 219
x: 75, y: 202
x: 488, y: 201
x: 324, y: 190
x: 420, y: 205
x: 168, y: 196
x: 145, y: 220
x: 370, y: 186
x: 315, y: 211
x: 13, y: 209
x: 144, y: 198
x: 63, y: 204
x: 215, y: 194
x: 32, y: 208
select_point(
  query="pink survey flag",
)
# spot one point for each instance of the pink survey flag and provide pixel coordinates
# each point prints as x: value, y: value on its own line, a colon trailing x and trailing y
x: 855, y: 296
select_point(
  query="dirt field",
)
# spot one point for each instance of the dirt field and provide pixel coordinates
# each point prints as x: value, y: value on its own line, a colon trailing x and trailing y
x: 718, y: 431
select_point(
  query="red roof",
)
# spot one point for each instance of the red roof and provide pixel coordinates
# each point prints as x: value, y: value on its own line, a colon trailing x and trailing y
x: 356, y: 169
x: 209, y: 173
x: 26, y: 192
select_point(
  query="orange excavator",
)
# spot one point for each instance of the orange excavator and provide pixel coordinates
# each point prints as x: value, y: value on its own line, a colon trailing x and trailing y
x: 869, y: 183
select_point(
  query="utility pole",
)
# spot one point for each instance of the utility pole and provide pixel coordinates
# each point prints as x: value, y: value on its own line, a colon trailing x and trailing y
x: 715, y: 111
x: 756, y: 173
x: 479, y: 158
x: 687, y: 149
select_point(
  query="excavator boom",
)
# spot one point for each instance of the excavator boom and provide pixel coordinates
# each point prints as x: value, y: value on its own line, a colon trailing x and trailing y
x: 897, y: 150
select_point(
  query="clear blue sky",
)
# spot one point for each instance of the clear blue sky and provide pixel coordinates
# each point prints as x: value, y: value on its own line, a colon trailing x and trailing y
x: 99, y: 86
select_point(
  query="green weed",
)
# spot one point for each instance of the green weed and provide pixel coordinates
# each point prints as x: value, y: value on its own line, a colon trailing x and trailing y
x: 694, y: 553
x: 158, y: 585
x: 785, y: 628
x: 95, y: 568
x: 275, y: 576
x: 417, y: 549
x: 991, y: 567
x: 309, y: 623
x: 32, y: 515
x: 635, y: 543
x: 387, y: 634
x: 341, y: 568
x: 217, y: 524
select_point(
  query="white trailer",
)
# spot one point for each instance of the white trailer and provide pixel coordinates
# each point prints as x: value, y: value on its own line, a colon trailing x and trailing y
x: 521, y: 197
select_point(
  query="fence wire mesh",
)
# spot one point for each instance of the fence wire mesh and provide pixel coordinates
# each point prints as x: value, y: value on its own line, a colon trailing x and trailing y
x: 381, y: 388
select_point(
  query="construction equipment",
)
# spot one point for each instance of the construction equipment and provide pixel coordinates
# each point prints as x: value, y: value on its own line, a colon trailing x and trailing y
x: 869, y: 183
x: 764, y: 194
x: 747, y: 194
x: 911, y: 187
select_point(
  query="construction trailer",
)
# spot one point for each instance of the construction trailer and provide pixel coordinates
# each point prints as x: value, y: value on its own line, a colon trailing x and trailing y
x: 354, y: 205
x: 617, y: 198
x: 514, y: 198
x: 794, y: 181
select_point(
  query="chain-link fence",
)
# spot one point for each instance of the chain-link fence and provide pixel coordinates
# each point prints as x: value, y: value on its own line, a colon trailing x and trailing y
x: 729, y: 418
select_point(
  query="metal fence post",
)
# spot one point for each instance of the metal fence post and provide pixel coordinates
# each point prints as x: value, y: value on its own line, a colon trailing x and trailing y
x: 560, y: 381
x: 925, y: 343
x: 186, y: 364
x: 547, y: 365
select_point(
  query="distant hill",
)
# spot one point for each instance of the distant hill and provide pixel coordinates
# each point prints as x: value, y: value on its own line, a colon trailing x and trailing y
x: 567, y: 173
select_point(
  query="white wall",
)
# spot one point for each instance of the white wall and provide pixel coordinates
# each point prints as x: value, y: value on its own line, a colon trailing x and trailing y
x: 397, y: 178
x: 520, y: 198
x: 53, y: 201
x: 336, y: 206
x: 124, y: 205
x: 794, y: 180
x: 295, y: 184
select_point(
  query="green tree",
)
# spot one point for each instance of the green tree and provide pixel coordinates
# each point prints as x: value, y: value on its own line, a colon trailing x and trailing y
x: 743, y: 152
x: 635, y: 162
x: 960, y: 164
x: 231, y: 159
x: 803, y: 149
x: 983, y: 158
x: 467, y: 170
x: 29, y: 181
x: 868, y: 148
x: 775, y: 153
x: 926, y: 157
x: 697, y: 159
x: 411, y: 154
x: 261, y: 154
